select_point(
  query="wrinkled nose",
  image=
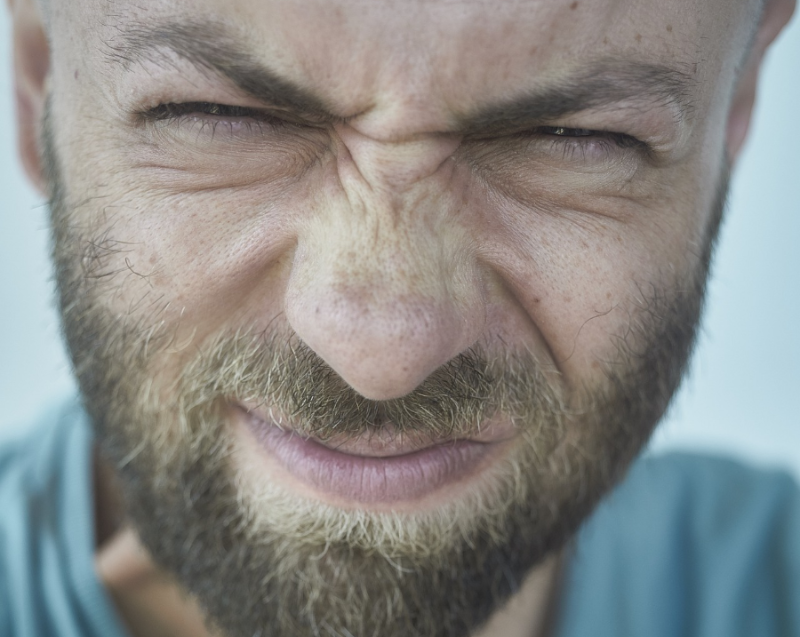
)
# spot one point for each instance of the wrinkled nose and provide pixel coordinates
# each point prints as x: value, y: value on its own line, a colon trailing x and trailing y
x: 384, y: 286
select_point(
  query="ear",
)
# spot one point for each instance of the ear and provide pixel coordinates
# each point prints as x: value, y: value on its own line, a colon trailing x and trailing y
x: 31, y: 69
x: 775, y: 16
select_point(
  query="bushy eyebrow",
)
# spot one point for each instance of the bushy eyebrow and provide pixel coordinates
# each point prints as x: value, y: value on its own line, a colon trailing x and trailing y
x: 605, y: 83
x: 211, y: 47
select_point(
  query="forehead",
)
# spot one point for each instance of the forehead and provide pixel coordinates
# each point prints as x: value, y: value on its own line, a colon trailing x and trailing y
x: 364, y: 55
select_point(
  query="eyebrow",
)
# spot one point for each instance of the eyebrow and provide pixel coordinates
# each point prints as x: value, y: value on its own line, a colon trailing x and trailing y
x: 211, y: 47
x: 606, y: 83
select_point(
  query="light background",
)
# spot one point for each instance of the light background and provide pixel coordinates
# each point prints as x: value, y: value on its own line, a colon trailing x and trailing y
x: 740, y: 397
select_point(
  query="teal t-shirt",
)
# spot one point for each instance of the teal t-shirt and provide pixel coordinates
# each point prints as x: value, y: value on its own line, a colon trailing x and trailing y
x: 48, y: 587
x: 689, y: 546
x: 686, y: 546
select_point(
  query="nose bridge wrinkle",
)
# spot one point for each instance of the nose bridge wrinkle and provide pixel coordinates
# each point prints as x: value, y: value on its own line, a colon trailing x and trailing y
x: 395, y: 165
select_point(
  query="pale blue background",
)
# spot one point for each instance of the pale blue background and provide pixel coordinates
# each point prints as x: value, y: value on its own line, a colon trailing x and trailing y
x: 741, y: 397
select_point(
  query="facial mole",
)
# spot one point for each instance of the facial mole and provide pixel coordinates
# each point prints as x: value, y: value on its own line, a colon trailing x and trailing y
x: 638, y: 37
x: 76, y: 74
x: 669, y: 28
x: 574, y: 5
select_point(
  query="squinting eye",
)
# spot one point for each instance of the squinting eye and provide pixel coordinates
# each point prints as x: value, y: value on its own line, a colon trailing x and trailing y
x: 561, y: 131
x: 583, y: 136
x: 172, y: 110
x: 208, y: 122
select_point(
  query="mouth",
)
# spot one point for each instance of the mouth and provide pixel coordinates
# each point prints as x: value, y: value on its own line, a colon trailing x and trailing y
x: 383, y: 468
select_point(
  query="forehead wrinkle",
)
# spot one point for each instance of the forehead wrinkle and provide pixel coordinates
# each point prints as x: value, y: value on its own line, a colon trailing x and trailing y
x: 211, y: 47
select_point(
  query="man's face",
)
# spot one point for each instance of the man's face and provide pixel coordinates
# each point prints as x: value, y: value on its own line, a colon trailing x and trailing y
x: 371, y: 302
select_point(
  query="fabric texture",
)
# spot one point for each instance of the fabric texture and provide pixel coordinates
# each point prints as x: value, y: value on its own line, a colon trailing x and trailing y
x: 686, y: 546
x: 48, y: 587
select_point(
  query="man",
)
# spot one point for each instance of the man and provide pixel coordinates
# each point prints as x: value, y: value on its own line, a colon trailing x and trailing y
x: 370, y: 304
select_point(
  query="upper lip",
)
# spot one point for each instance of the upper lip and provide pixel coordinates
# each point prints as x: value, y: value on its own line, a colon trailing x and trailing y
x: 385, y: 442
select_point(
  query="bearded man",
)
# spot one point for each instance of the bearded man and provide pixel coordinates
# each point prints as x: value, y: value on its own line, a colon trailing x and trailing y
x: 370, y: 304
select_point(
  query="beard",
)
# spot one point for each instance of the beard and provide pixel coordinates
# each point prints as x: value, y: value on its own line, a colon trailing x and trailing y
x: 263, y: 561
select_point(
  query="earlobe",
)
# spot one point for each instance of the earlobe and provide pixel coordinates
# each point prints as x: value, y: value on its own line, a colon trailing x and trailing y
x: 31, y: 70
x: 776, y: 14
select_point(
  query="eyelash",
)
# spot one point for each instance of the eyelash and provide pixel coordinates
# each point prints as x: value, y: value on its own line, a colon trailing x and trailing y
x: 570, y: 140
x: 581, y: 143
x: 213, y: 115
x: 173, y: 110
x: 620, y: 139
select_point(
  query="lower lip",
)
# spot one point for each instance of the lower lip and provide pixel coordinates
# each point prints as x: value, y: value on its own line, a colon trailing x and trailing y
x: 369, y: 479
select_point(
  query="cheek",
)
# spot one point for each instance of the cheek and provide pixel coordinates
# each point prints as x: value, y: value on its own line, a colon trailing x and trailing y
x: 193, y: 260
x: 587, y: 265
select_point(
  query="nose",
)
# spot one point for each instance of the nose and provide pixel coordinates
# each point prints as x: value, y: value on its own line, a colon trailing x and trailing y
x: 384, y: 285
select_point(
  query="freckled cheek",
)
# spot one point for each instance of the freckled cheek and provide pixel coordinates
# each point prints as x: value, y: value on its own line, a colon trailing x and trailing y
x: 581, y: 275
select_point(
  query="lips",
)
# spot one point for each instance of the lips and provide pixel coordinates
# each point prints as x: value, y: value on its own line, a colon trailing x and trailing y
x: 383, y: 468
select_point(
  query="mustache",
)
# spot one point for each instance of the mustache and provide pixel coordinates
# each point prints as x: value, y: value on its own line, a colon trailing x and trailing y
x: 284, y: 377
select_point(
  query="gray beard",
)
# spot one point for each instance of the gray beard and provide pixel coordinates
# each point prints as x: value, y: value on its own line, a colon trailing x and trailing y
x: 180, y: 489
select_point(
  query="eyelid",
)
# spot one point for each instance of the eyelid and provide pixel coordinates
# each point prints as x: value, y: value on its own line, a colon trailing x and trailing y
x: 622, y: 141
x: 267, y: 114
x: 588, y: 135
x: 176, y: 110
x: 194, y: 122
x: 589, y: 147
